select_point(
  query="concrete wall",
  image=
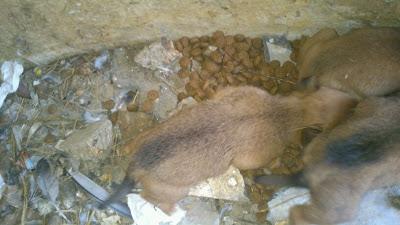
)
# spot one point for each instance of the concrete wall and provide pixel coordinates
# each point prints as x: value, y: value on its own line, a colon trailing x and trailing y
x: 43, y: 30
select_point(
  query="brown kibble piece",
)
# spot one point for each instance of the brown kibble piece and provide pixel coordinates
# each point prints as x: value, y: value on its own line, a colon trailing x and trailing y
x: 109, y: 104
x: 280, y: 72
x: 239, y: 37
x: 184, y: 41
x: 218, y: 34
x: 183, y: 73
x: 275, y: 64
x: 153, y: 95
x: 229, y: 40
x: 194, y: 75
x: 178, y: 45
x: 186, y: 51
x: 210, y: 66
x: 257, y: 43
x: 216, y: 56
x: 199, y: 58
x: 229, y: 50
x: 289, y: 66
x: 242, y: 46
x: 185, y: 62
x: 194, y: 40
x: 196, y: 52
x: 204, y: 74
x: 204, y: 38
x: 285, y: 88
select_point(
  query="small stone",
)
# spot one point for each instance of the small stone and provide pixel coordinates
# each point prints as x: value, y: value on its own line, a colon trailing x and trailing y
x: 50, y: 139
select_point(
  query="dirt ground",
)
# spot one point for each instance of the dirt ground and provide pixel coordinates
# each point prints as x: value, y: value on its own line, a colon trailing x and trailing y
x: 77, y: 113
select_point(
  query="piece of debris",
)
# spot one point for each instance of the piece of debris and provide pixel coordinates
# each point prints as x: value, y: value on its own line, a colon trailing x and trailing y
x: 277, y: 47
x: 159, y: 55
x: 90, y: 143
x: 228, y: 186
x: 9, y: 80
x: 145, y: 213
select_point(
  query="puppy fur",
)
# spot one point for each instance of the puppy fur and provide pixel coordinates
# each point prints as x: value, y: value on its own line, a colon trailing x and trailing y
x: 360, y: 154
x: 363, y: 62
x: 241, y: 126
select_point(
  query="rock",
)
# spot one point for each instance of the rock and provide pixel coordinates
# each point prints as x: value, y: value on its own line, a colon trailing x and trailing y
x: 90, y: 143
x: 199, y: 212
x: 228, y: 186
x: 283, y: 200
x: 375, y: 208
x: 277, y: 48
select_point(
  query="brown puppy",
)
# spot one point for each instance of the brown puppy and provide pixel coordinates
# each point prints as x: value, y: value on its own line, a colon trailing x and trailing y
x: 243, y: 126
x: 360, y: 154
x: 363, y: 62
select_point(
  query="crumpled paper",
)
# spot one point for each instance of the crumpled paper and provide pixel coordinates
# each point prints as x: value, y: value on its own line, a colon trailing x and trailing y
x: 10, y: 75
x: 145, y: 213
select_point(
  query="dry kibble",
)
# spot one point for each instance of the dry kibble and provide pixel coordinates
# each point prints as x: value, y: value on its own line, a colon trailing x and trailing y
x: 258, y: 60
x: 285, y: 88
x: 289, y: 66
x: 219, y: 42
x: 247, y: 63
x: 147, y: 106
x: 210, y: 66
x: 204, y: 38
x: 229, y: 40
x: 194, y: 75
x: 275, y: 64
x: 217, y: 34
x: 257, y: 43
x: 178, y: 45
x: 228, y: 66
x: 198, y: 58
x: 196, y: 51
x: 184, y: 41
x: 229, y: 50
x: 153, y: 95
x: 183, y: 73
x: 280, y: 72
x: 204, y: 45
x: 242, y: 55
x: 242, y: 46
x: 194, y: 40
x: 216, y: 56
x: 239, y: 37
x: 267, y: 69
x: 186, y: 51
x: 185, y: 62
x: 204, y: 74
x: 254, y: 52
